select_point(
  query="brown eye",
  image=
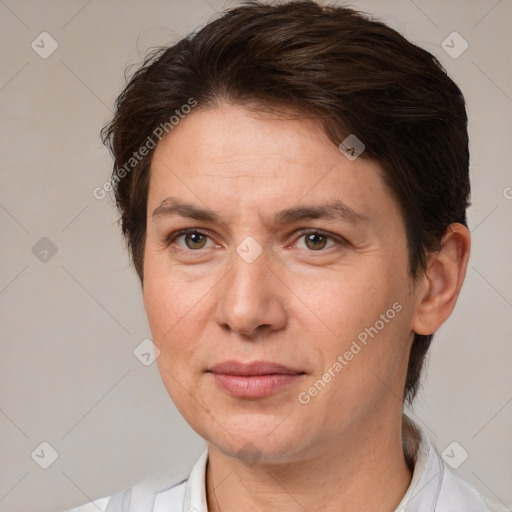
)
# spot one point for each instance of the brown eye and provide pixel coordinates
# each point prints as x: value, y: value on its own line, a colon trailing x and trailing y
x: 195, y: 240
x: 192, y: 239
x: 315, y: 241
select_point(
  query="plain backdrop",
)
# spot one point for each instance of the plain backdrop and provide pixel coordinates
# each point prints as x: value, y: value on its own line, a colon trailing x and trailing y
x: 71, y: 309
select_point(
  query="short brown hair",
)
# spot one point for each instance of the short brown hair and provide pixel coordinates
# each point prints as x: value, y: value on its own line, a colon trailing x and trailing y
x: 345, y: 68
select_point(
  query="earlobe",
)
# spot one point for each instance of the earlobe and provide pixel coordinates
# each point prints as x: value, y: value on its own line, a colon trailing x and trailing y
x: 443, y: 280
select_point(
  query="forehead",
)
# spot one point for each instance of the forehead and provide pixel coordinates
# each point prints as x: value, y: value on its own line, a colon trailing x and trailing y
x: 233, y: 133
x: 239, y: 159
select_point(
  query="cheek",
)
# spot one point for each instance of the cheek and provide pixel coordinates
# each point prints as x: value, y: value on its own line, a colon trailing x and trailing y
x: 349, y: 300
x: 168, y: 300
x: 368, y: 315
x: 171, y: 311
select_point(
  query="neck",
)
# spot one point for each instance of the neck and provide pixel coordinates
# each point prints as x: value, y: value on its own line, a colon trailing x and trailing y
x: 365, y: 471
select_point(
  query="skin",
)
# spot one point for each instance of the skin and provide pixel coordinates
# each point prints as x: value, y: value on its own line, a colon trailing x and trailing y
x: 301, y: 303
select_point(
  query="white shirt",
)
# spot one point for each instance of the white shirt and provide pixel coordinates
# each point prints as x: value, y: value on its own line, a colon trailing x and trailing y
x: 434, y: 487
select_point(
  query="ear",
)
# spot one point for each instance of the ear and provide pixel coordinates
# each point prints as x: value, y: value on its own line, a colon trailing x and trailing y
x: 441, y: 284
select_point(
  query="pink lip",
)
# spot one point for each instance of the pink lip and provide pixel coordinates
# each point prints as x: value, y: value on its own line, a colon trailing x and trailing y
x: 253, y: 380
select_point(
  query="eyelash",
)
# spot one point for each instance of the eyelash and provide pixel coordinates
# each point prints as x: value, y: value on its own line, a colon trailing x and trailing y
x: 340, y: 241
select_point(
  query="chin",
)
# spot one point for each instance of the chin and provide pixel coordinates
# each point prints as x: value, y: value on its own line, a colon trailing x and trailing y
x: 252, y: 439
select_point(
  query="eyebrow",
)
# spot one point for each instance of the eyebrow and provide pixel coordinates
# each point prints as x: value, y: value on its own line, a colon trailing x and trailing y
x: 333, y: 210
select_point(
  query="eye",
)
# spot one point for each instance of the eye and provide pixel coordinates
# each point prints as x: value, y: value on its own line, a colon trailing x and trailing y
x: 317, y: 240
x: 193, y: 238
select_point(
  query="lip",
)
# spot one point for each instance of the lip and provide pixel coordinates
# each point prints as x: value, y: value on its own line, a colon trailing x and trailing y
x: 253, y: 380
x: 251, y: 369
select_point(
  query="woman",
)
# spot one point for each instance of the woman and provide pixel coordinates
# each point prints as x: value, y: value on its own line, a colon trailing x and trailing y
x: 293, y: 182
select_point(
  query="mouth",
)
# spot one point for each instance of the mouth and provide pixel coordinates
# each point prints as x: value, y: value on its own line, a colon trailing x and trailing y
x: 253, y: 380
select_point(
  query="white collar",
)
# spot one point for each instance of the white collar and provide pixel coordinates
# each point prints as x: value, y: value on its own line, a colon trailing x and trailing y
x: 427, y: 477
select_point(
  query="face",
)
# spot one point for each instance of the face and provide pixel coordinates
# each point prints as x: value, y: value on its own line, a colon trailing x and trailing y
x: 267, y: 246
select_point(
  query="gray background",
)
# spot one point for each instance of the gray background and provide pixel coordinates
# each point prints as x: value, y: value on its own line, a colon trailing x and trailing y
x: 70, y: 324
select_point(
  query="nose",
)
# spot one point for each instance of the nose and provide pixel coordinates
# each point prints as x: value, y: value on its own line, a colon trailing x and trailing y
x: 251, y: 298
